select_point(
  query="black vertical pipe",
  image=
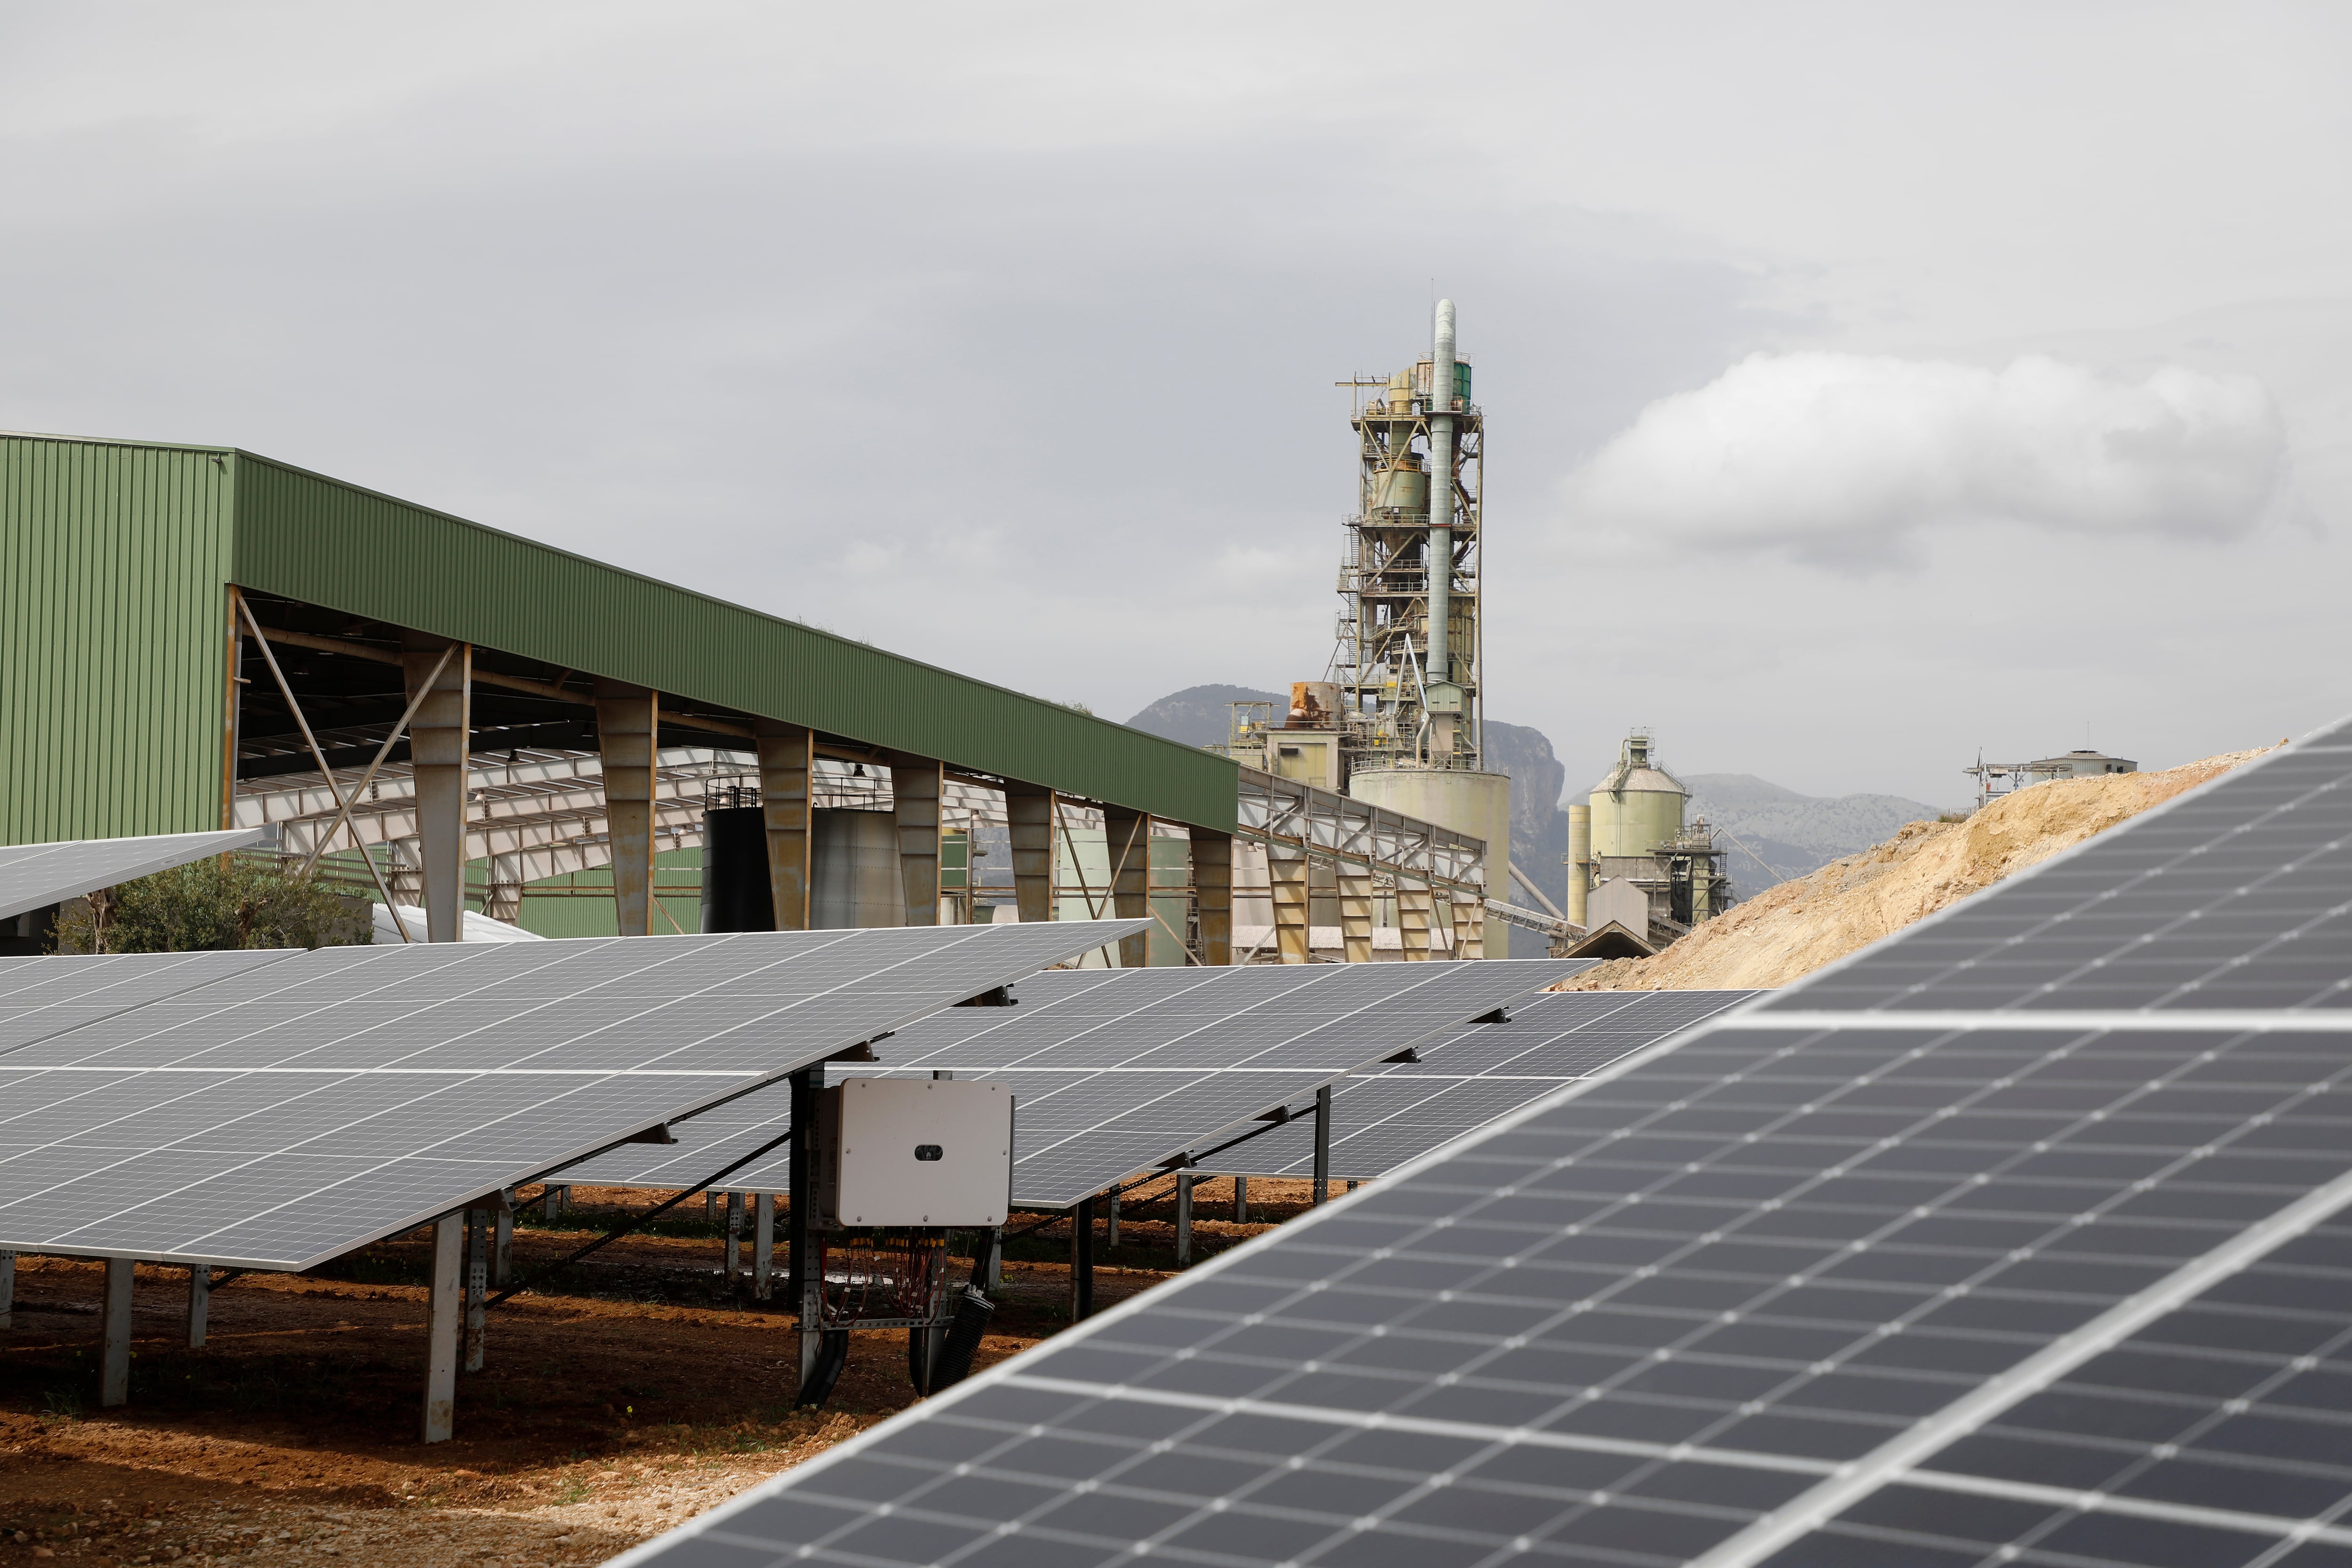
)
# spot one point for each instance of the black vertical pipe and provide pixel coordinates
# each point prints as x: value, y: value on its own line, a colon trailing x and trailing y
x: 799, y: 1177
x: 1323, y: 1143
x: 736, y: 892
x: 1082, y: 1261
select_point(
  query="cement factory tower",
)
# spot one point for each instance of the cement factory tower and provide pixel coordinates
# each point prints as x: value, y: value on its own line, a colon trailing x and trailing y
x: 1406, y: 697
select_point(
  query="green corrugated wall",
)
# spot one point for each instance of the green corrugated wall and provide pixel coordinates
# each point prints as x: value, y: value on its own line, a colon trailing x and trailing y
x: 112, y: 634
x: 116, y: 556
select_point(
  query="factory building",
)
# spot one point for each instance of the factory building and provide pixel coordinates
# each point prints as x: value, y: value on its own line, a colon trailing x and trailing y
x: 1995, y: 779
x: 454, y: 720
x: 1399, y: 721
x: 1636, y: 862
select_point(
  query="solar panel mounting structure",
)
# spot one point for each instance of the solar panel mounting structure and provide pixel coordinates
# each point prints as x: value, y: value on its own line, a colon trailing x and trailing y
x: 33, y: 876
x: 1891, y: 1268
x: 292, y: 1110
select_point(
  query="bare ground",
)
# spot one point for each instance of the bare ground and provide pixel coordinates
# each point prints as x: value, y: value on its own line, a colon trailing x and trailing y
x: 625, y: 1396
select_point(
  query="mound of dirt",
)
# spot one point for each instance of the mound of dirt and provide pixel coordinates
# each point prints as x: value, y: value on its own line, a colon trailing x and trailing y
x: 1797, y: 927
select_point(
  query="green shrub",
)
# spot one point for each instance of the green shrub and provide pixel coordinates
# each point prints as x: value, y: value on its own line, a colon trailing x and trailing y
x: 224, y: 902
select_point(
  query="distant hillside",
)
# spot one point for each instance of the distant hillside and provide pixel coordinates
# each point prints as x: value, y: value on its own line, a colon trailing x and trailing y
x: 1781, y: 835
x: 1198, y: 715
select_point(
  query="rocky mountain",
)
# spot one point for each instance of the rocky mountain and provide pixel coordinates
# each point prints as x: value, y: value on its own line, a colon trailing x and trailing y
x: 1198, y: 715
x: 1776, y: 834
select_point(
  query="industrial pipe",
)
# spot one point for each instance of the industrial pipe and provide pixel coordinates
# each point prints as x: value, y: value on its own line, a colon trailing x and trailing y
x: 1580, y: 862
x: 1441, y: 498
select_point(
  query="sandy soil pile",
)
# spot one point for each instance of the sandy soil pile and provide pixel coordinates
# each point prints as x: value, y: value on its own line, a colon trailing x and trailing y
x: 1796, y: 927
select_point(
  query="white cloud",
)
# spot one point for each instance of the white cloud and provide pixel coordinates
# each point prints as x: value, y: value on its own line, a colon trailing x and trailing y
x: 1836, y: 456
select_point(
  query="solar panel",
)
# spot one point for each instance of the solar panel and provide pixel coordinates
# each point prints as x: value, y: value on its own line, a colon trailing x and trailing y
x: 2237, y: 894
x: 33, y: 875
x: 1117, y: 1071
x: 281, y: 1116
x: 45, y: 996
x: 1749, y: 1297
x: 1391, y: 1113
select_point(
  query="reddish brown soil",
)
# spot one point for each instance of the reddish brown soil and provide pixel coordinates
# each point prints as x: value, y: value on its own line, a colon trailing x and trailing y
x: 626, y: 1395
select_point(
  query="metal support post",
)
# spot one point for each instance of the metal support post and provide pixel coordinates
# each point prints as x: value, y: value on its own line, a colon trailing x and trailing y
x: 1241, y: 1200
x: 1355, y: 912
x: 1415, y: 906
x: 1128, y: 836
x: 1323, y: 1144
x: 787, y: 757
x: 628, y: 733
x: 734, y: 1239
x: 114, y: 1352
x: 1082, y: 1260
x: 478, y: 1280
x: 763, y: 1245
x: 803, y: 1285
x: 995, y: 1279
x: 1029, y: 820
x: 7, y: 1290
x: 440, y: 744
x: 551, y: 1203
x: 1213, y: 893
x: 1183, y: 1219
x: 916, y: 787
x: 502, y: 1257
x: 1110, y: 1221
x: 443, y: 1311
x: 1285, y: 865
x: 199, y: 1303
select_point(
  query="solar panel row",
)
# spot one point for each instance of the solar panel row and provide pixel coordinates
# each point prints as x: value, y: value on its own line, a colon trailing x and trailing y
x: 33, y: 875
x: 1813, y: 1287
x: 1119, y: 1071
x: 292, y: 1110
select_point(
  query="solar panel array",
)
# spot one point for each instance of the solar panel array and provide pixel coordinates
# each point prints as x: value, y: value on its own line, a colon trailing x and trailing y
x: 1117, y: 1071
x: 290, y: 1111
x: 33, y: 876
x: 1389, y: 1114
x: 44, y: 996
x: 2040, y: 1262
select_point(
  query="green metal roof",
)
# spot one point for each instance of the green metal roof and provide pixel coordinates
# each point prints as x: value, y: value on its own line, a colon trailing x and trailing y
x: 113, y: 627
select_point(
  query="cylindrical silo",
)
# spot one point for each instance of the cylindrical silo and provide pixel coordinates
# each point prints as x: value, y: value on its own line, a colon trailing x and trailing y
x: 1473, y: 802
x: 1580, y: 862
x: 736, y: 892
x: 1638, y: 806
x: 854, y: 878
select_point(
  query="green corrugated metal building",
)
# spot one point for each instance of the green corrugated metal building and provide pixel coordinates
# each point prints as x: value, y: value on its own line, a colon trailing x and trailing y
x: 117, y: 559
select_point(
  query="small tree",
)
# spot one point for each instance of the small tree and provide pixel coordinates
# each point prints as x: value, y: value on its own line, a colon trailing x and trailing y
x: 213, y: 904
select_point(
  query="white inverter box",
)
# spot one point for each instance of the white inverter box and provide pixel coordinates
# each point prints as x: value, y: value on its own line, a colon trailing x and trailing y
x: 914, y: 1152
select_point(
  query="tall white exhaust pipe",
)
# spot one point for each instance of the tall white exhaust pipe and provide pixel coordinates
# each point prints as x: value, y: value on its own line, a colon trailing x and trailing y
x: 1440, y: 498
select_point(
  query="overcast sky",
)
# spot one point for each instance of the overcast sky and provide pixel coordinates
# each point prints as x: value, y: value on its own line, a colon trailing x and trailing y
x: 1866, y: 384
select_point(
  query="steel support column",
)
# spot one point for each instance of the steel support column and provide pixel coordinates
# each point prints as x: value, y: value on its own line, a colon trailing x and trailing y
x: 1323, y: 1144
x: 478, y: 1284
x: 1127, y: 835
x: 803, y: 1284
x: 502, y: 1253
x: 1184, y: 1219
x: 1469, y: 926
x: 7, y: 1290
x: 916, y: 786
x: 734, y: 1240
x: 763, y: 1246
x: 440, y: 743
x: 1082, y: 1260
x: 199, y: 1303
x: 1355, y: 912
x: 1213, y: 893
x: 1415, y: 907
x: 443, y: 1309
x: 626, y: 736
x: 1029, y: 819
x: 1241, y: 1200
x: 114, y: 1335
x: 787, y: 757
x: 1285, y: 865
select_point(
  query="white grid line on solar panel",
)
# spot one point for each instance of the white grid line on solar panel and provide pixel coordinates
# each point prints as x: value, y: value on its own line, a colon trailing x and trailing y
x: 1392, y: 1112
x: 2235, y: 894
x: 1777, y: 1247
x: 33, y: 875
x: 40, y: 997
x: 2231, y: 1405
x: 165, y: 1170
x: 1080, y: 1129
